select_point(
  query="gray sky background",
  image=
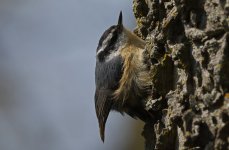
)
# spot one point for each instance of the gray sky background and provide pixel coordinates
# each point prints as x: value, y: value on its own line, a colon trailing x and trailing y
x: 47, y: 60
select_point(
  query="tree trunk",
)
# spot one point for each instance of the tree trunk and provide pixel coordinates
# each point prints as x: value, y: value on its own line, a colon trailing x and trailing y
x: 188, y: 42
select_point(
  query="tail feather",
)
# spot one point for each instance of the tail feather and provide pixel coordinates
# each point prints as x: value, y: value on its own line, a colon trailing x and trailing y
x: 103, y: 104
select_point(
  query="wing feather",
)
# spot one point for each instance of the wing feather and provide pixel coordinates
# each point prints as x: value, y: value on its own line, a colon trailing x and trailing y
x: 107, y: 76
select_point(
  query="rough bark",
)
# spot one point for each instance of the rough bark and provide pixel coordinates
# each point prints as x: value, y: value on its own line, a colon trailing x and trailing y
x: 188, y: 42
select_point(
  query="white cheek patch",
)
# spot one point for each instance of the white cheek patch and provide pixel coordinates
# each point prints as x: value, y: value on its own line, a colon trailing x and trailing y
x: 119, y: 44
x: 112, y: 55
x: 116, y: 53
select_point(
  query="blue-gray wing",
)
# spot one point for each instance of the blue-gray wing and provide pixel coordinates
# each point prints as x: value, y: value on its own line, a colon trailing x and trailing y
x: 107, y: 76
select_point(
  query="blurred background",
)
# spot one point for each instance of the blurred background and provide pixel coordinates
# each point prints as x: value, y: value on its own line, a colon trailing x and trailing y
x: 47, y: 60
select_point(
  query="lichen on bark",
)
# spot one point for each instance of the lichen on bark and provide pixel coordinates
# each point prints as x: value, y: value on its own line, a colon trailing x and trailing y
x: 188, y: 42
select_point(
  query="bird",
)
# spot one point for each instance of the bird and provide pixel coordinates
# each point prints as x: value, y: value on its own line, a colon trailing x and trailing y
x: 122, y: 75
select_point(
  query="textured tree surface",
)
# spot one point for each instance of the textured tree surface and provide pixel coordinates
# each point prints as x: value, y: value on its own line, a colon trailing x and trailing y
x: 188, y: 42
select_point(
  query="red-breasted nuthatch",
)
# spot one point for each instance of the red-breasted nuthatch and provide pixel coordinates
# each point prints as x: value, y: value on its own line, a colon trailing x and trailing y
x: 121, y: 75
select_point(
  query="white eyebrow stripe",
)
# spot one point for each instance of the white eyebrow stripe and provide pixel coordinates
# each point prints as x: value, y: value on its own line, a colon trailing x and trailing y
x: 109, y: 36
x: 99, y: 51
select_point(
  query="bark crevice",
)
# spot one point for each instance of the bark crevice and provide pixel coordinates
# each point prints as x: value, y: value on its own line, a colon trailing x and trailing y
x: 188, y: 42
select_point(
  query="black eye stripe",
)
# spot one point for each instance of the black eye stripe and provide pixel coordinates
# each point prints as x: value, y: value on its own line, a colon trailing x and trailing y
x: 110, y: 46
x: 104, y: 36
x: 108, y: 42
x: 111, y: 42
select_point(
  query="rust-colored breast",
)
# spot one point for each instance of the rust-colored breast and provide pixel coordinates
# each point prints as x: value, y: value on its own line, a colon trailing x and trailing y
x: 135, y: 74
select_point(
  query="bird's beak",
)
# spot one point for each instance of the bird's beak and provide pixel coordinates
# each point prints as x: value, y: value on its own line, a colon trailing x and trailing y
x: 120, y: 19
